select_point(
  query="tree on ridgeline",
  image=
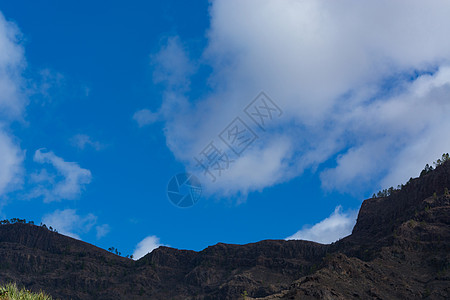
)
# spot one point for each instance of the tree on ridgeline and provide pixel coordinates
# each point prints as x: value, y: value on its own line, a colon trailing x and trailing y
x: 445, y: 157
x: 387, y: 192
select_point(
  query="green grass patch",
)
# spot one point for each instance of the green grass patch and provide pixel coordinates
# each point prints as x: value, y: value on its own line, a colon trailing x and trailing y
x: 10, y: 291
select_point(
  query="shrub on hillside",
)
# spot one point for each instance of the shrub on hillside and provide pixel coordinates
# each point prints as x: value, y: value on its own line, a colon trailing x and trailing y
x: 10, y: 291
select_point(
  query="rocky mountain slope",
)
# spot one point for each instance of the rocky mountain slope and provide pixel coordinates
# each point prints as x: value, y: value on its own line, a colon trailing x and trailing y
x: 399, y: 249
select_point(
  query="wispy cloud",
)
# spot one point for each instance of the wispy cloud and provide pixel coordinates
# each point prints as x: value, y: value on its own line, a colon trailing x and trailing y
x: 49, y: 85
x: 102, y: 230
x: 81, y: 141
x: 145, y: 246
x: 172, y: 66
x: 338, y: 225
x: 69, y: 223
x: 353, y: 80
x: 145, y: 117
x: 65, y: 180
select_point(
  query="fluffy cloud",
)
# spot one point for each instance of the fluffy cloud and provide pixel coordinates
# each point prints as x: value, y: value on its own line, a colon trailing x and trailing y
x: 333, y: 228
x: 12, y: 103
x: 145, y: 117
x: 145, y: 246
x: 366, y: 85
x: 66, y: 182
x: 404, y: 132
x: 69, y: 223
x: 12, y: 64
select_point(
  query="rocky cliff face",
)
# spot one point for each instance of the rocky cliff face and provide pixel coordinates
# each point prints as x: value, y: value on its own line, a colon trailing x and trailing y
x: 399, y: 249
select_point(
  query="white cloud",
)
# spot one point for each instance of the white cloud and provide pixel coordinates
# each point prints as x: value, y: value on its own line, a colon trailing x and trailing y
x: 69, y: 223
x: 12, y: 104
x: 102, y: 230
x: 254, y: 170
x: 355, y: 82
x: 14, y: 92
x: 145, y: 246
x: 398, y: 135
x: 66, y: 183
x: 145, y: 117
x: 10, y: 163
x: 12, y: 65
x: 333, y: 228
x: 81, y: 141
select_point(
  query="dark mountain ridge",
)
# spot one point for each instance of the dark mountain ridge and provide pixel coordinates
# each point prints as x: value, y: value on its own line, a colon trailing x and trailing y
x: 399, y: 249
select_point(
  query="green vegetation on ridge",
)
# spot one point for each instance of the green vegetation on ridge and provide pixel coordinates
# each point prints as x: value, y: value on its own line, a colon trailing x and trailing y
x: 387, y: 192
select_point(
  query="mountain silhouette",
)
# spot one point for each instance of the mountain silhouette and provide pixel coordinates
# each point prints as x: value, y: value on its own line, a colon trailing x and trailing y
x: 399, y: 249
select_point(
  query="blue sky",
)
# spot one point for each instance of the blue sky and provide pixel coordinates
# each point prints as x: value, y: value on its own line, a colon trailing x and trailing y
x: 102, y: 103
